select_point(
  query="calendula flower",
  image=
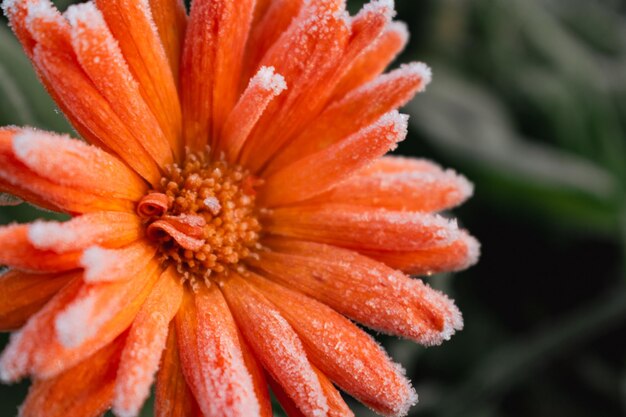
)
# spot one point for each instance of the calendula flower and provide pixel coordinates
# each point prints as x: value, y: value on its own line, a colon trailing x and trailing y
x: 232, y: 212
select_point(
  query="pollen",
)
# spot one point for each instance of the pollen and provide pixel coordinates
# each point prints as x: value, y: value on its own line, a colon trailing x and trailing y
x: 203, y: 217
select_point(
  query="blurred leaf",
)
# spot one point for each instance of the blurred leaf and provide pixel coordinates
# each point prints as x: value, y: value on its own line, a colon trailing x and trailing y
x: 25, y: 101
x: 471, y: 125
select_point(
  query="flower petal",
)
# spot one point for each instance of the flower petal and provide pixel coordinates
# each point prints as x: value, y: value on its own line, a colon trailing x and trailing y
x: 258, y: 379
x: 304, y: 179
x: 276, y: 345
x: 355, y: 111
x: 73, y: 163
x: 18, y: 252
x: 170, y: 18
x: 23, y: 294
x: 405, y: 191
x: 16, y: 178
x: 85, y: 390
x: 272, y: 21
x: 211, y: 65
x: 337, y: 407
x: 362, y: 228
x: 211, y: 356
x: 317, y: 37
x: 105, y: 309
x: 110, y: 265
x: 100, y: 56
x: 264, y: 87
x: 459, y: 255
x: 362, y: 289
x: 341, y: 350
x: 145, y: 344
x: 89, y: 112
x: 109, y: 229
x: 133, y: 27
x: 17, y: 358
x: 173, y: 398
x: 374, y: 59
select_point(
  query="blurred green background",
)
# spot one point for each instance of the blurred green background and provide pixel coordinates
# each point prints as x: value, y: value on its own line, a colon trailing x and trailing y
x: 528, y: 101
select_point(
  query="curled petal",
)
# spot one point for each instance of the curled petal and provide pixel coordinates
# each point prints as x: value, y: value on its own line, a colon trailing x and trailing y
x: 186, y: 230
x: 153, y: 205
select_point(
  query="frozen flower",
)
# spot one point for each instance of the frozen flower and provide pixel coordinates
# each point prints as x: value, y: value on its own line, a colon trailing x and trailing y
x: 232, y: 212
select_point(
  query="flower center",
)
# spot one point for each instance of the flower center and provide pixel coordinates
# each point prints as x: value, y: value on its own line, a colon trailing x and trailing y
x: 203, y: 217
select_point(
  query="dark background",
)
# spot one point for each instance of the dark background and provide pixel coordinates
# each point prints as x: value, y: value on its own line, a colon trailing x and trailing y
x: 529, y: 101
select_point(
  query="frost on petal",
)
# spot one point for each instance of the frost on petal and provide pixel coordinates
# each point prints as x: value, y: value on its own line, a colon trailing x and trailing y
x: 362, y: 227
x: 211, y: 356
x: 261, y: 91
x: 276, y: 345
x: 110, y: 229
x: 144, y: 345
x: 73, y: 163
x: 304, y: 179
x: 109, y: 265
x: 362, y: 289
x: 346, y: 354
x: 98, y: 304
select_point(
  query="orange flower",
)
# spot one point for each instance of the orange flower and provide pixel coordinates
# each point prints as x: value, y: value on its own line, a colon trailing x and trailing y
x: 233, y: 208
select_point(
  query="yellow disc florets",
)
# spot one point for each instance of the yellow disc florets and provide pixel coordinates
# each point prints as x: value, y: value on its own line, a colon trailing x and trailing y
x: 203, y: 217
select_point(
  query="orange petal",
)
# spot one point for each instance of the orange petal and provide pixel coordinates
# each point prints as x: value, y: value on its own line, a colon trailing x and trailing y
x: 374, y: 59
x: 339, y: 349
x: 133, y: 27
x: 170, y: 18
x: 109, y: 229
x: 18, y: 252
x: 85, y: 390
x: 173, y: 397
x: 101, y: 58
x: 316, y: 37
x: 233, y: 23
x: 357, y: 110
x: 77, y: 96
x: 211, y: 66
x: 264, y: 87
x: 304, y: 178
x: 18, y: 179
x: 75, y: 164
x: 362, y: 228
x: 392, y: 164
x: 22, y: 295
x: 337, y: 407
x: 459, y: 255
x: 276, y: 345
x: 95, y: 316
x: 362, y: 289
x: 258, y: 379
x: 110, y: 265
x: 145, y: 344
x: 211, y: 356
x: 17, y: 359
x: 405, y: 191
x: 272, y: 20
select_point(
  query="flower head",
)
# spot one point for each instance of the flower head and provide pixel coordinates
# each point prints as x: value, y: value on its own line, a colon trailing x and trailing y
x: 232, y: 211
